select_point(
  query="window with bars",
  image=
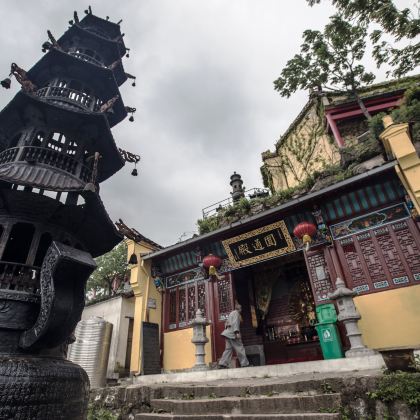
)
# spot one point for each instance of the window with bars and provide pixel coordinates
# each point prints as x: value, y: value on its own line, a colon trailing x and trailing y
x: 182, y: 303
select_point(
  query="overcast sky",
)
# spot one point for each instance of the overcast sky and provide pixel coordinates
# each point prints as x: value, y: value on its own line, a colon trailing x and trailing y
x: 205, y: 100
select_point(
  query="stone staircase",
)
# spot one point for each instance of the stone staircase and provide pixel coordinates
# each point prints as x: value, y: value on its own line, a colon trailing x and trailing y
x: 252, y: 402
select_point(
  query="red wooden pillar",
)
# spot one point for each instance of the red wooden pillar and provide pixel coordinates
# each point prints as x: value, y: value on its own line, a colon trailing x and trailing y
x: 334, y: 129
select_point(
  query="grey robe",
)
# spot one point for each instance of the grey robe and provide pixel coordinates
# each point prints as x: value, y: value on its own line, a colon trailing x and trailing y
x: 232, y: 325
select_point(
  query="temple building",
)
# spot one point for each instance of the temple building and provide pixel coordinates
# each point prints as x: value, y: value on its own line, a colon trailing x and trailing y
x: 344, y: 204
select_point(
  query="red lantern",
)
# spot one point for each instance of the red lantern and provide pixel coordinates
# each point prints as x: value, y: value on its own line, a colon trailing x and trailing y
x: 212, y: 261
x: 305, y: 231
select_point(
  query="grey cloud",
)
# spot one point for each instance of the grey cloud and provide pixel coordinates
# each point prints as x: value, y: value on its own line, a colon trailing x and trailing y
x: 204, y: 97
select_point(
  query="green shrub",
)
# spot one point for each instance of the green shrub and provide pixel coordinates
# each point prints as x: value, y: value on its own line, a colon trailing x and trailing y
x: 399, y: 386
x: 208, y: 225
x: 99, y: 413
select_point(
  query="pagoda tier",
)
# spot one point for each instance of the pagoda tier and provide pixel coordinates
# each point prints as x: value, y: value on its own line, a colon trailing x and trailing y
x: 66, y: 81
x: 78, y: 220
x: 94, y: 40
x: 53, y: 148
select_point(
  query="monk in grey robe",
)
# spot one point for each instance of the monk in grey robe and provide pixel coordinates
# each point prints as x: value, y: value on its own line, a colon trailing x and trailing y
x: 233, y: 339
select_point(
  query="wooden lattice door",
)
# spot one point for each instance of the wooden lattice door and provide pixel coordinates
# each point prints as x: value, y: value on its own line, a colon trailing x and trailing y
x: 223, y: 304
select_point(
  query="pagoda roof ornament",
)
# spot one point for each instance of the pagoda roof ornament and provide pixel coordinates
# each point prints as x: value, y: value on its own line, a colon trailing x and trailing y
x: 133, y: 234
x: 22, y: 78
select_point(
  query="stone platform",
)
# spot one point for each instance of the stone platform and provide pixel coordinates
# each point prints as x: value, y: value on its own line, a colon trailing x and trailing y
x: 323, y: 390
x: 272, y: 371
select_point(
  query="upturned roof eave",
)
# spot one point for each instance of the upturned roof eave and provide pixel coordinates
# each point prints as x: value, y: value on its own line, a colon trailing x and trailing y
x: 282, y: 207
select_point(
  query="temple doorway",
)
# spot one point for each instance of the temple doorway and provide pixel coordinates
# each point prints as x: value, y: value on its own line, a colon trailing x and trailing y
x: 278, y: 311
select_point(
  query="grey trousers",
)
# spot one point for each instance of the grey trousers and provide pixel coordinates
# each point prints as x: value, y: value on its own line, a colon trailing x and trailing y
x: 233, y: 344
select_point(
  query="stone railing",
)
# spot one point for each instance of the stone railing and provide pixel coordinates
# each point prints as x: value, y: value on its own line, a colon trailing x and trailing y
x: 74, y: 97
x: 34, y: 154
x: 87, y: 58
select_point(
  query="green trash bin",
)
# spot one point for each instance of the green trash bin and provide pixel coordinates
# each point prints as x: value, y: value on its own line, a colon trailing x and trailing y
x: 327, y: 330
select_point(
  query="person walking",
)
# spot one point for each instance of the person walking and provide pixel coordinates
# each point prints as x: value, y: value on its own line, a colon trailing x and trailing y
x: 233, y: 340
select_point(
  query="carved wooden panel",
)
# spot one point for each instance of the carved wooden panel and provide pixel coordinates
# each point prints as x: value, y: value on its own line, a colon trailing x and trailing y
x: 320, y: 276
x: 354, y: 265
x: 172, y: 308
x: 182, y: 307
x: 372, y: 260
x: 392, y: 258
x: 192, y: 307
x: 201, y: 292
x: 381, y: 258
x: 225, y: 298
x: 409, y: 248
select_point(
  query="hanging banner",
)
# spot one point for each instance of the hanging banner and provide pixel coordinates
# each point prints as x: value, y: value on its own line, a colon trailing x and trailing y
x: 259, y: 245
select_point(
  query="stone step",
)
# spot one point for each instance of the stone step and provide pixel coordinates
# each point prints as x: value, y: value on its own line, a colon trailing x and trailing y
x: 185, y: 392
x: 252, y: 405
x: 304, y: 416
x: 306, y: 384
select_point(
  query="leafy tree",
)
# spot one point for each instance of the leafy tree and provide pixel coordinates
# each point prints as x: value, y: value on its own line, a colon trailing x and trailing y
x: 401, y: 25
x: 329, y: 60
x: 111, y: 272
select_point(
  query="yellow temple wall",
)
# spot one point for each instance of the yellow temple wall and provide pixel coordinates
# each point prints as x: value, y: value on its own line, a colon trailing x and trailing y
x: 179, y: 352
x: 390, y: 318
x: 144, y: 289
x: 286, y: 166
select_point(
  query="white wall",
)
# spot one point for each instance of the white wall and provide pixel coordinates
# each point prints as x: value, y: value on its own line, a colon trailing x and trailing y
x: 114, y: 310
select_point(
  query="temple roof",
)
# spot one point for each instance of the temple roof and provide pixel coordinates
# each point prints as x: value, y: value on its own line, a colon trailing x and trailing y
x: 299, y: 203
x: 134, y: 235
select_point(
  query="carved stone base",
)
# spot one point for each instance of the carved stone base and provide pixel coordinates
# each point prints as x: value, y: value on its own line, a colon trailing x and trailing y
x: 39, y: 388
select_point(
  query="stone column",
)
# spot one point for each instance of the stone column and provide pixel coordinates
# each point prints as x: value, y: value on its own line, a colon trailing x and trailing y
x: 348, y: 313
x: 199, y: 339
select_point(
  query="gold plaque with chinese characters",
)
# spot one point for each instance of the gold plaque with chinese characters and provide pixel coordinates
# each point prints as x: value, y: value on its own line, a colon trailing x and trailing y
x: 259, y: 244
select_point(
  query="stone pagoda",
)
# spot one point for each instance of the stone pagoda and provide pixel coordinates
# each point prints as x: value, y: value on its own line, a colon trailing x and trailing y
x: 56, y: 147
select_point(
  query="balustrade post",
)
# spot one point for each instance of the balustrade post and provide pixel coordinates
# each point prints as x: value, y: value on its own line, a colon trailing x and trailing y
x: 19, y: 154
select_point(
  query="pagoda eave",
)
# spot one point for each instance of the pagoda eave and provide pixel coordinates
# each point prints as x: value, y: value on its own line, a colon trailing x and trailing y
x: 89, y: 223
x: 56, y: 63
x: 40, y: 176
x: 115, y: 50
x: 25, y: 107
